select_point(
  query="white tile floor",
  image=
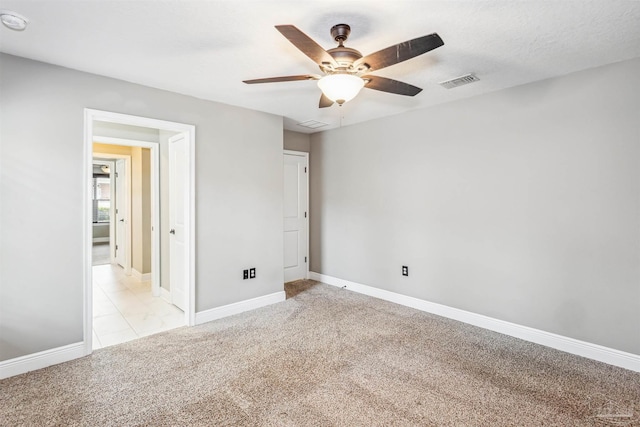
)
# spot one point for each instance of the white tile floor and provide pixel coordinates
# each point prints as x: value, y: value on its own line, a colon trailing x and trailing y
x: 124, y: 309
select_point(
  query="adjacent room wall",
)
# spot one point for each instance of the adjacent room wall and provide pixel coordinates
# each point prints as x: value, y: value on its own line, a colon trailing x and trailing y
x: 522, y: 205
x: 238, y: 193
x: 111, y: 149
x: 117, y: 130
x: 101, y: 232
x: 141, y: 209
x: 146, y: 211
x: 296, y: 141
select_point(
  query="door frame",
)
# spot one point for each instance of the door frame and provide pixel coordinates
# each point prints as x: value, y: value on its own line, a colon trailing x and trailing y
x: 91, y: 115
x: 306, y: 159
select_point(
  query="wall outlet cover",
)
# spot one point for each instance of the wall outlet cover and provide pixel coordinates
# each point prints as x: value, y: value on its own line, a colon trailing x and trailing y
x: 252, y: 273
x: 245, y: 274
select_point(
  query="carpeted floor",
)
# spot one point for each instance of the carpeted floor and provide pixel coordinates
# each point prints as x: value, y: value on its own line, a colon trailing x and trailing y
x: 326, y: 357
x: 292, y: 289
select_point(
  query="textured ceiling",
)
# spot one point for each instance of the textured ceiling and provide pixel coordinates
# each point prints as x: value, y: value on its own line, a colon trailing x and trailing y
x: 206, y: 48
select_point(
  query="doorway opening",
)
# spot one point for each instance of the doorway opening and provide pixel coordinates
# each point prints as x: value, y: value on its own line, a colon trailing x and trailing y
x: 102, y: 192
x: 112, y: 196
x: 296, y: 221
x: 143, y: 288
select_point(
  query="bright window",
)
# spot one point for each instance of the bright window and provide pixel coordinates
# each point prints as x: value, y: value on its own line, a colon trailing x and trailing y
x: 101, y: 199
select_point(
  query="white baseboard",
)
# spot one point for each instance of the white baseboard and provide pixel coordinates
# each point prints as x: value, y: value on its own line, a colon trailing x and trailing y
x: 143, y: 277
x: 165, y: 295
x: 570, y: 345
x: 238, y: 307
x: 101, y: 239
x: 31, y: 362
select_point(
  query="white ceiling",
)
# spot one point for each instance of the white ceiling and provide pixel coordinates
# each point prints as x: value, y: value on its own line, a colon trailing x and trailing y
x: 206, y: 48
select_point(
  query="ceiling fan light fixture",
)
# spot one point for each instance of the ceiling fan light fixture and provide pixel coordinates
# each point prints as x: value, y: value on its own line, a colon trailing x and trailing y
x: 340, y: 88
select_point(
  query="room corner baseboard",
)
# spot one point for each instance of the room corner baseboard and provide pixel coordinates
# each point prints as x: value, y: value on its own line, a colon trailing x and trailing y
x: 165, y: 295
x: 238, y: 307
x: 143, y: 277
x: 31, y: 362
x: 570, y: 345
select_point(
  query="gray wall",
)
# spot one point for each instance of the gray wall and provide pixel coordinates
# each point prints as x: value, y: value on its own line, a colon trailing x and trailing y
x: 238, y: 197
x: 141, y: 209
x: 101, y: 231
x: 117, y: 130
x: 296, y: 141
x: 522, y: 205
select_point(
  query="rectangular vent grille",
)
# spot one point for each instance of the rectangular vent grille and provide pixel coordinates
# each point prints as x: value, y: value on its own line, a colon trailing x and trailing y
x: 459, y: 81
x: 312, y: 124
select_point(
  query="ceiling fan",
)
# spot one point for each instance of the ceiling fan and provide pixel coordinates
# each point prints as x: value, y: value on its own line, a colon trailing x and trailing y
x: 346, y: 70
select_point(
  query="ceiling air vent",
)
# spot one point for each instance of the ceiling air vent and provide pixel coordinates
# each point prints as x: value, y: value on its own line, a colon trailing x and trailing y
x: 459, y: 81
x: 312, y: 124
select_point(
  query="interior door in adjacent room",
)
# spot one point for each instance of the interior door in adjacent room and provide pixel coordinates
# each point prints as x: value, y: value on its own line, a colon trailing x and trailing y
x: 120, y: 243
x: 178, y: 188
x: 296, y: 189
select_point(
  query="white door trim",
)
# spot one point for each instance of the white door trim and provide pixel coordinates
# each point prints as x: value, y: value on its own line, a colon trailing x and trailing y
x: 91, y: 115
x: 306, y: 159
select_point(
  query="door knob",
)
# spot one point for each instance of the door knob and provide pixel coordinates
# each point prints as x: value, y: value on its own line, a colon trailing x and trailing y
x: 122, y: 220
x: 172, y: 231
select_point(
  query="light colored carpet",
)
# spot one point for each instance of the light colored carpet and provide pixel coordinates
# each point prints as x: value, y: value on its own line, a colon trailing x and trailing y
x: 292, y: 289
x: 327, y: 357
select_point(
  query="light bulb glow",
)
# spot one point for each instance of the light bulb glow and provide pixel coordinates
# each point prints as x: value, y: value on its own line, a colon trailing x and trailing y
x: 340, y: 88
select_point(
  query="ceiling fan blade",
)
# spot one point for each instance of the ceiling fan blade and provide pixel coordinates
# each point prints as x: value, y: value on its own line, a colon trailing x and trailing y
x: 306, y: 44
x: 283, y: 79
x: 325, y: 102
x: 392, y: 86
x: 401, y: 52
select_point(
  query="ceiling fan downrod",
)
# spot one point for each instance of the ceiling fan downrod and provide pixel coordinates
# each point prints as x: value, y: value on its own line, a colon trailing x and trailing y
x: 340, y: 33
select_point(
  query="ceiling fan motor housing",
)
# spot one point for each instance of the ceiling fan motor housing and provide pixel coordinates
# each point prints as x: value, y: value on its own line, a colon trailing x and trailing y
x: 344, y: 56
x: 340, y: 33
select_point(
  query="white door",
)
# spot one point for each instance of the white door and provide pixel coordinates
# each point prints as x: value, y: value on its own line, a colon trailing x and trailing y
x: 178, y: 188
x: 120, y: 243
x: 295, y: 217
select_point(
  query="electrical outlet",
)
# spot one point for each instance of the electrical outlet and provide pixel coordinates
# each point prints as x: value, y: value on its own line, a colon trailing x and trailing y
x: 245, y: 274
x: 252, y: 273
x: 405, y: 270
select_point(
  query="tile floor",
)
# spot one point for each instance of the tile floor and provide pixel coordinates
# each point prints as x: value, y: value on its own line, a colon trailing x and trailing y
x: 124, y: 309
